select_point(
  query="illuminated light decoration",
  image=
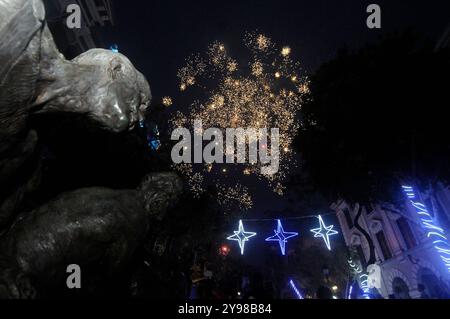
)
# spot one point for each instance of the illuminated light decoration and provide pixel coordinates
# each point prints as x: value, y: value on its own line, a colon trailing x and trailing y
x: 224, y: 250
x: 364, y: 282
x: 295, y: 289
x: 350, y: 292
x: 241, y: 236
x: 155, y: 145
x: 324, y: 231
x: 281, y: 236
x: 114, y: 48
x: 434, y: 232
x: 153, y: 140
x: 354, y: 266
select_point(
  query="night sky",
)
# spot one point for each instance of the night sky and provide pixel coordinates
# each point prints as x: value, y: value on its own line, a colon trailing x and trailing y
x: 158, y: 36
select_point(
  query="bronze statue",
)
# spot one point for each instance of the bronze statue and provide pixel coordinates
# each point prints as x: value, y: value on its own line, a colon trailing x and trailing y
x: 35, y: 78
x: 86, y: 226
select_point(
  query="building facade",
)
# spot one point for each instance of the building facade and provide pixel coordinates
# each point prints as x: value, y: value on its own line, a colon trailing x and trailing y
x: 409, y: 264
x: 94, y: 15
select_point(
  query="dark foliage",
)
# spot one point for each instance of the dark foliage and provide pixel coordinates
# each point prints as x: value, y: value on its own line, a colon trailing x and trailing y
x: 376, y: 116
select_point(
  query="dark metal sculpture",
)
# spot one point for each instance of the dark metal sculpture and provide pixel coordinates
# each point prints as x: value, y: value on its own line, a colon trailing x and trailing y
x: 95, y: 226
x: 36, y: 79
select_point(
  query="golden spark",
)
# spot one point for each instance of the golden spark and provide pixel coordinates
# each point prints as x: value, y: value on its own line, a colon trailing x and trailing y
x: 285, y: 51
x: 167, y: 101
x: 251, y: 96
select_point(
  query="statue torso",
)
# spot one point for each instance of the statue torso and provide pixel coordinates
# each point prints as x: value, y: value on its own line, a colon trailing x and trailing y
x: 19, y: 64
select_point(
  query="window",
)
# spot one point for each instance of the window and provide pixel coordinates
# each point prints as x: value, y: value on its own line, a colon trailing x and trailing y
x: 348, y: 218
x: 407, y: 233
x: 383, y: 245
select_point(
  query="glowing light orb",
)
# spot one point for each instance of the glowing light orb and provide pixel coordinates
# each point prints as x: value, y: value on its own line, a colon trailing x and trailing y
x: 285, y: 51
x: 295, y: 289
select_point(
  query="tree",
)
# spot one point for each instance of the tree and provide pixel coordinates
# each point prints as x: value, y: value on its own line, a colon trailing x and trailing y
x: 376, y: 116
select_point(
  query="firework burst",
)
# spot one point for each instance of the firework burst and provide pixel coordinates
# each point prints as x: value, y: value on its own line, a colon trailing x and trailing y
x: 265, y: 93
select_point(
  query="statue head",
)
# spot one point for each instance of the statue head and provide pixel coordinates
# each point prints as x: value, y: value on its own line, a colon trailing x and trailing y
x: 101, y: 84
x: 160, y: 190
x: 118, y: 93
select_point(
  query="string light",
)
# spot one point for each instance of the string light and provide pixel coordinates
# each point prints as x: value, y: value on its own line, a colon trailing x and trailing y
x: 295, y: 289
x: 354, y: 266
x: 434, y: 232
x: 284, y: 218
x: 363, y: 278
x: 282, y: 236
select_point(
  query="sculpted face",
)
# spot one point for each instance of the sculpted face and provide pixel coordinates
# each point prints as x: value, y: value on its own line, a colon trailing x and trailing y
x: 114, y: 94
x: 160, y: 190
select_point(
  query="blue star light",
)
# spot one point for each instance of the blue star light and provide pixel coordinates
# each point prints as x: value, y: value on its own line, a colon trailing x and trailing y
x: 241, y: 236
x: 324, y: 231
x: 281, y: 237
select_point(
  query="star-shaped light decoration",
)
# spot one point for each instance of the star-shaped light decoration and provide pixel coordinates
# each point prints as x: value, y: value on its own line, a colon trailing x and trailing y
x: 324, y: 231
x: 281, y: 236
x: 241, y: 236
